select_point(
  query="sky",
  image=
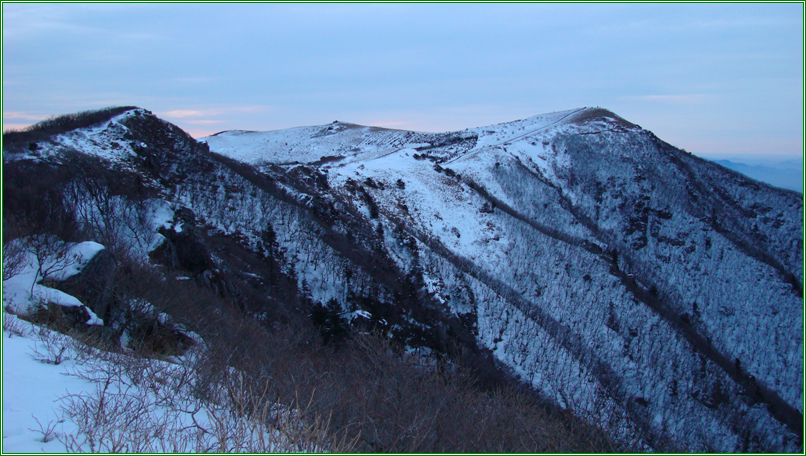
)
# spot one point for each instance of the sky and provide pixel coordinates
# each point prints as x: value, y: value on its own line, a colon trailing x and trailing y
x: 719, y: 80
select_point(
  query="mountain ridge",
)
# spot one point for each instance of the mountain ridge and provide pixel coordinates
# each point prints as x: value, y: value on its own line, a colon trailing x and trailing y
x: 574, y: 247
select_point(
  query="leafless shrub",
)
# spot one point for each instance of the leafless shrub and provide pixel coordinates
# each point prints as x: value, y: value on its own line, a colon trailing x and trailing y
x: 13, y: 250
x: 50, y: 347
x: 33, y: 204
x: 157, y: 411
x: 13, y: 260
x: 51, y: 254
x: 13, y: 326
x: 392, y: 402
x: 48, y: 431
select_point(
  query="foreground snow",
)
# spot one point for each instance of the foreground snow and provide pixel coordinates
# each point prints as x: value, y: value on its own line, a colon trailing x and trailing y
x: 60, y: 395
x: 32, y: 393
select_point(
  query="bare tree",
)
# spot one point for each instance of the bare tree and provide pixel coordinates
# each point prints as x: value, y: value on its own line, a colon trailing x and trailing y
x: 51, y: 255
x: 13, y: 258
x: 13, y: 247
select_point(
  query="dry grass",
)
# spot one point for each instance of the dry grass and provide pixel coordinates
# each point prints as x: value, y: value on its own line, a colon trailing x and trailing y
x: 146, y: 405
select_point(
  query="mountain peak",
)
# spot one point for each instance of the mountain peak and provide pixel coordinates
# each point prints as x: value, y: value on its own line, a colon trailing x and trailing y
x: 596, y: 113
x: 45, y: 130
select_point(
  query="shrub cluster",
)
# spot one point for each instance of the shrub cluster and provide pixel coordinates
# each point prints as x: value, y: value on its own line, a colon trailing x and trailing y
x: 145, y: 405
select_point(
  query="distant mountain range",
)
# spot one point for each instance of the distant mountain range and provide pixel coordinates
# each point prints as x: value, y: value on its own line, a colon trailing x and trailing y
x: 622, y: 279
x: 785, y: 174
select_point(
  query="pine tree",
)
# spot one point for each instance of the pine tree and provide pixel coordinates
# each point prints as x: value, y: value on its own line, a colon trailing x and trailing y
x: 330, y: 320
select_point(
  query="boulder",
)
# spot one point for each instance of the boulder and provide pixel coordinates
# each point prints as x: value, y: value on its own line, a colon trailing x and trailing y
x: 94, y: 285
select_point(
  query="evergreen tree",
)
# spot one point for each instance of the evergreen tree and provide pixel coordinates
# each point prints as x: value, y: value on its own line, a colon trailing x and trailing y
x: 330, y: 320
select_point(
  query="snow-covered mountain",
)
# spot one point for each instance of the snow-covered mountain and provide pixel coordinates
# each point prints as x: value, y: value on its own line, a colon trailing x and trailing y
x: 651, y: 292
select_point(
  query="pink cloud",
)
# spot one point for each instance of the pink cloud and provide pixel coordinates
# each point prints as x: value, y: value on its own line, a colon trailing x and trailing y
x: 22, y: 115
x: 14, y: 126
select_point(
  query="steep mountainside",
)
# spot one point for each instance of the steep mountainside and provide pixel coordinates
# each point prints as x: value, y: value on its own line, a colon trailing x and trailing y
x: 645, y: 289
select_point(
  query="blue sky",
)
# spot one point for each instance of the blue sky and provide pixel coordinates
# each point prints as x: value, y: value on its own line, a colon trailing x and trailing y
x: 711, y: 78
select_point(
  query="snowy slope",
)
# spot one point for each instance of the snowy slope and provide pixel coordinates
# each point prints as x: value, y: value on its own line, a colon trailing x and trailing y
x: 543, y: 206
x: 32, y: 391
x: 107, y: 140
x: 618, y: 276
x: 308, y: 144
x: 338, y: 143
